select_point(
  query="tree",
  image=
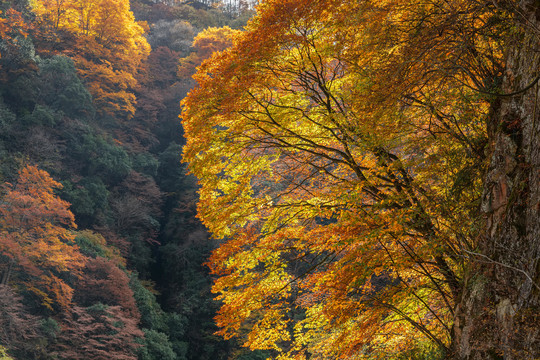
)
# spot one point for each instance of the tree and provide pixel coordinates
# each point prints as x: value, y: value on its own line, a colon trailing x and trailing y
x: 105, y: 283
x: 108, y: 50
x: 12, y: 25
x: 36, y: 239
x: 498, y: 313
x: 62, y: 90
x: 175, y: 35
x: 94, y: 245
x: 18, y: 326
x: 156, y: 346
x: 98, y: 332
x: 340, y: 149
x: 17, y: 58
x: 137, y: 210
x: 204, y: 45
x: 158, y: 92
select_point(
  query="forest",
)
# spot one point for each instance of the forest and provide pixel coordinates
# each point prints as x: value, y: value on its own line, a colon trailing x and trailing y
x: 273, y: 179
x: 101, y: 256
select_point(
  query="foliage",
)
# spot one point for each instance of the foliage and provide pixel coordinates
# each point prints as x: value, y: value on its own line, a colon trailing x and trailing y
x: 68, y: 111
x: 138, y: 206
x: 177, y: 324
x: 152, y: 316
x: 156, y: 347
x: 146, y: 164
x: 36, y: 237
x: 50, y: 328
x: 12, y: 27
x: 326, y: 142
x: 102, y: 157
x: 103, y: 282
x: 109, y: 46
x: 18, y: 325
x: 175, y: 35
x: 3, y: 354
x: 94, y: 245
x: 204, y: 45
x: 62, y: 89
x: 158, y: 97
x: 188, y: 293
x: 88, y: 198
x: 199, y: 17
x: 98, y: 332
x: 244, y: 354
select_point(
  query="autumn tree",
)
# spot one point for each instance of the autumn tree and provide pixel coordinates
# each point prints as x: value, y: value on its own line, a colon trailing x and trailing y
x: 36, y: 242
x: 103, y: 282
x: 138, y: 205
x: 156, y: 120
x: 107, y: 45
x: 12, y: 25
x: 176, y: 35
x: 340, y: 148
x: 98, y: 332
x: 19, y: 327
x: 204, y: 45
x: 16, y: 51
x: 94, y: 245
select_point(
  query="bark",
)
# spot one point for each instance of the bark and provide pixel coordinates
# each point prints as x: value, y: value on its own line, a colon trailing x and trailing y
x: 498, y: 314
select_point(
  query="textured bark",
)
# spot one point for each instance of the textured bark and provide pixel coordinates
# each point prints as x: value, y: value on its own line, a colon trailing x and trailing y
x: 498, y: 315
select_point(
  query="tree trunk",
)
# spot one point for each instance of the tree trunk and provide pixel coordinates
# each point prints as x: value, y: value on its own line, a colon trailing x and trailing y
x: 498, y: 316
x: 7, y: 273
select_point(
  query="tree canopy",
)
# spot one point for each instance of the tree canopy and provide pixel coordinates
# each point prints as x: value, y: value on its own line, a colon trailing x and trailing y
x: 36, y: 236
x: 340, y: 147
x: 107, y: 45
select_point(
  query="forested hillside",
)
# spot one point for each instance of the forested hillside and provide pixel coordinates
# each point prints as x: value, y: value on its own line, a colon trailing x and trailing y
x: 101, y: 256
x: 348, y: 179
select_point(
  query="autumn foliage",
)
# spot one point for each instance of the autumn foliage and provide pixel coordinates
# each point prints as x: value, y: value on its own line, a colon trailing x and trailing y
x: 367, y: 175
x: 339, y: 147
x: 40, y: 255
x: 18, y: 326
x: 91, y: 184
x: 98, y: 332
x: 106, y: 43
x: 36, y: 236
x: 11, y: 25
x: 204, y: 45
x: 105, y: 283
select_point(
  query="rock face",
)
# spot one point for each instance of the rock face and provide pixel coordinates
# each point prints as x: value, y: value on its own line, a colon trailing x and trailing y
x: 498, y: 316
